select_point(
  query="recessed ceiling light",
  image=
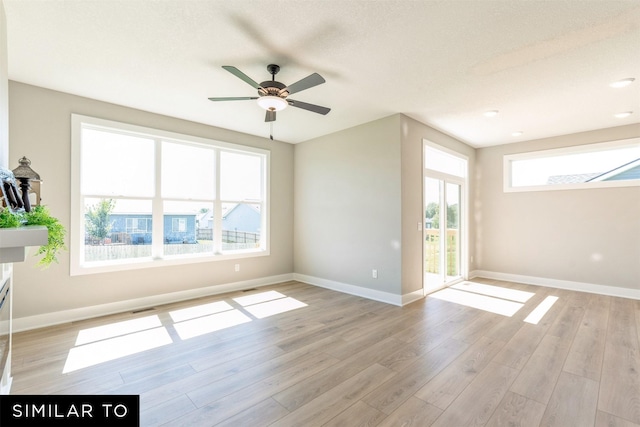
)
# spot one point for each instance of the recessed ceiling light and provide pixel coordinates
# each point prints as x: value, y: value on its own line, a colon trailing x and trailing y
x: 491, y: 113
x: 623, y: 114
x: 622, y: 83
x: 517, y: 133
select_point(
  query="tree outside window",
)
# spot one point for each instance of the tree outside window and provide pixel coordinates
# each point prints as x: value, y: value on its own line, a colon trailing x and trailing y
x: 97, y: 221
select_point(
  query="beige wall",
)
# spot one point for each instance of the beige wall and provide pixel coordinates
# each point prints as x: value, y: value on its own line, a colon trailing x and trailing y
x: 40, y: 122
x: 347, y: 206
x: 588, y: 236
x: 358, y: 200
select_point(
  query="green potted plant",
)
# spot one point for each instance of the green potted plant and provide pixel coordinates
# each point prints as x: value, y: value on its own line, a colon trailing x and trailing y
x: 38, y: 216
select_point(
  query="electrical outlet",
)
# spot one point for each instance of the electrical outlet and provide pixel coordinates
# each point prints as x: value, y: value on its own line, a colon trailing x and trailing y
x: 237, y: 267
x: 374, y: 274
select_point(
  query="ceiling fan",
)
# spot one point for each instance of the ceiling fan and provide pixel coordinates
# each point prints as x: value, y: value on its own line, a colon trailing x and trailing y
x: 273, y: 95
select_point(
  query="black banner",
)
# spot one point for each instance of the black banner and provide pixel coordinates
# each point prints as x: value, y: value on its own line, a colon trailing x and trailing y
x: 70, y: 410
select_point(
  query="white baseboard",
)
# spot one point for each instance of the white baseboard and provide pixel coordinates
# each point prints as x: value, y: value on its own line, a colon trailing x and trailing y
x: 49, y: 319
x: 413, y: 296
x: 359, y: 291
x: 561, y: 284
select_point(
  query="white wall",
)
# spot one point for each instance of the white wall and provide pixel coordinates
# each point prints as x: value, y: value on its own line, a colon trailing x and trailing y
x: 588, y: 236
x: 347, y: 207
x: 40, y: 122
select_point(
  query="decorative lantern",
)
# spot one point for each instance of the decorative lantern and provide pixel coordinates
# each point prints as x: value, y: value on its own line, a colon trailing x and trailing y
x: 26, y: 176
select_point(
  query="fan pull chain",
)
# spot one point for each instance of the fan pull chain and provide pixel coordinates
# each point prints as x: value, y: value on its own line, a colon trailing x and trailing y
x: 271, y: 130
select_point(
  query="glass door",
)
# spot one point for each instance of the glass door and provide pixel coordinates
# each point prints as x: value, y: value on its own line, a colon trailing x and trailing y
x: 444, y: 180
x: 452, y: 242
x: 433, y: 262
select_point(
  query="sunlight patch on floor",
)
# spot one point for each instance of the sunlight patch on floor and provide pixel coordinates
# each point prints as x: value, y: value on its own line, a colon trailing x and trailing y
x: 214, y: 322
x: 258, y: 298
x: 278, y: 306
x: 494, y: 291
x: 199, y: 311
x: 538, y: 313
x: 481, y: 302
x: 117, y: 329
x: 115, y: 348
x: 119, y: 339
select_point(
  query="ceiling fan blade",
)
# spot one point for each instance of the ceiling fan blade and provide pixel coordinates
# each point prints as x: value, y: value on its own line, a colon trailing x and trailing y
x: 308, y: 82
x: 310, y: 107
x: 270, y: 116
x: 241, y: 75
x: 234, y: 98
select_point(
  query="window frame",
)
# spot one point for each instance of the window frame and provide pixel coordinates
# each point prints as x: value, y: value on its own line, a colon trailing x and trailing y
x: 77, y: 235
x: 508, y: 160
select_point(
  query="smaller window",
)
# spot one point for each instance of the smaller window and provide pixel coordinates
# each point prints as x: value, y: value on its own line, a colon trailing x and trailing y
x: 442, y: 161
x: 138, y: 225
x: 179, y: 225
x: 609, y: 164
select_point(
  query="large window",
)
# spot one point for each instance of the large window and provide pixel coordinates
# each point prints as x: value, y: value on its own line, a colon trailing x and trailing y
x: 609, y: 164
x: 144, y: 197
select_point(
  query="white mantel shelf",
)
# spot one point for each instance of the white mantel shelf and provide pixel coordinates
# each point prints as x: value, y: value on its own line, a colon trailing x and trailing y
x: 14, y: 241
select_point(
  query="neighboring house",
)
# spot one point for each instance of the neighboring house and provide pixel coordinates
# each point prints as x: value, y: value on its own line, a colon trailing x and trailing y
x: 205, y: 220
x: 242, y: 217
x: 241, y: 224
x: 630, y: 170
x: 627, y: 171
x: 136, y: 228
x: 238, y: 217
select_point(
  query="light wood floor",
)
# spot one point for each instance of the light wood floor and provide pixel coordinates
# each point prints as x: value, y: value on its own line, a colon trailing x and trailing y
x: 342, y: 360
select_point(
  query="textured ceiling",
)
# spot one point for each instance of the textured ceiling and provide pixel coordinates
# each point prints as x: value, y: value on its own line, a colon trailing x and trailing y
x: 546, y: 66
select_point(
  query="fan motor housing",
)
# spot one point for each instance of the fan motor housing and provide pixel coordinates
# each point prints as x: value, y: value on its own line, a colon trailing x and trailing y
x: 272, y: 87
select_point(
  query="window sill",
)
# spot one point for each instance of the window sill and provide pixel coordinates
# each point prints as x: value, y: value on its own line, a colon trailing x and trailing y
x: 176, y: 260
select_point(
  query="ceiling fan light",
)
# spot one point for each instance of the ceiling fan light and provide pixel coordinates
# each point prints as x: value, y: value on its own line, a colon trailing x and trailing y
x: 272, y: 103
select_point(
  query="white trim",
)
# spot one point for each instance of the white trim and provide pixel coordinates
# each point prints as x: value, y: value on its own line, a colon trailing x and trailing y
x: 49, y: 319
x: 412, y: 296
x: 359, y: 291
x: 592, y: 288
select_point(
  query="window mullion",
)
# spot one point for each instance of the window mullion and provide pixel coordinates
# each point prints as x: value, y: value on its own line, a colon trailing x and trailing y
x: 157, y: 214
x: 217, y: 209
